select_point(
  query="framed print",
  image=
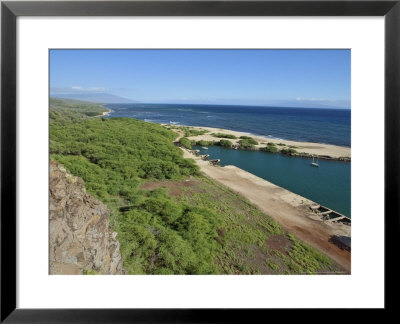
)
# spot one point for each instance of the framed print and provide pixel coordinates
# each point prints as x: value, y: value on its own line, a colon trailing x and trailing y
x: 160, y: 158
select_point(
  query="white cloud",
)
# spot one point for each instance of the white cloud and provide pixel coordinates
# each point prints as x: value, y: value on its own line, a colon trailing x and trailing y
x: 75, y: 89
x: 310, y: 99
x: 323, y: 102
x: 101, y: 89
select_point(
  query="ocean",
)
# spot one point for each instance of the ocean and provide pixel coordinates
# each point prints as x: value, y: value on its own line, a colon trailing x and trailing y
x: 329, y: 126
x: 328, y: 185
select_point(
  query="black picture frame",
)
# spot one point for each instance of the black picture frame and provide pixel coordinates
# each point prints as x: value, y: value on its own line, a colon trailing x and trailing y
x: 10, y: 10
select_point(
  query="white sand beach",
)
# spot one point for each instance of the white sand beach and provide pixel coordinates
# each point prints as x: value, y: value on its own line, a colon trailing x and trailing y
x: 319, y: 149
x: 105, y: 113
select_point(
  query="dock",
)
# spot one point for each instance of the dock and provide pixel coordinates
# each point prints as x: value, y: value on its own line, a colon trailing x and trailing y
x: 330, y: 215
x: 215, y: 162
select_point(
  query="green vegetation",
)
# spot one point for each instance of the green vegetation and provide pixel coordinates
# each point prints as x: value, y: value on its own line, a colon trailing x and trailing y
x: 252, y: 141
x: 269, y: 149
x: 184, y: 223
x: 113, y: 155
x: 281, y: 144
x: 189, y: 131
x: 304, y: 258
x: 288, y: 151
x: 74, y: 109
x: 225, y: 143
x: 205, y: 143
x: 244, y: 145
x: 222, y: 135
x: 186, y: 142
x: 161, y: 236
x: 247, y: 144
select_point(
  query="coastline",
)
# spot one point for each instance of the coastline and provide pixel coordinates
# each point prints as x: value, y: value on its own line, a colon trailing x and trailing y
x: 223, y: 196
x: 323, y: 151
x: 105, y: 113
x: 290, y: 210
x: 304, y: 149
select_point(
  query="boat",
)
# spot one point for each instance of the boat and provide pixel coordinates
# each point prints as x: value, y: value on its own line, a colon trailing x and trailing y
x: 313, y: 163
x: 204, y: 148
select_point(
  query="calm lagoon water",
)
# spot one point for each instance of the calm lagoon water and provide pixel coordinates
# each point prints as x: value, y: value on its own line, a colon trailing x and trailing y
x: 328, y: 184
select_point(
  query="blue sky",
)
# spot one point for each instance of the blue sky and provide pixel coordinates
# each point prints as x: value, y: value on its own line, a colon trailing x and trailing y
x: 304, y: 78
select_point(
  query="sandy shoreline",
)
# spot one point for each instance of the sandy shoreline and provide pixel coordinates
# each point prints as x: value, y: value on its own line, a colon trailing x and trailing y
x: 105, y: 113
x: 318, y: 149
x: 290, y: 210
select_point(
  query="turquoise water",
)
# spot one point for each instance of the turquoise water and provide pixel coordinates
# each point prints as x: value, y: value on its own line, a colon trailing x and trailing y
x: 328, y: 184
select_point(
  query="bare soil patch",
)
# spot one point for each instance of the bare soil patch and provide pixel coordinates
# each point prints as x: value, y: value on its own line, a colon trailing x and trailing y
x: 280, y: 243
x: 174, y: 187
x: 253, y: 258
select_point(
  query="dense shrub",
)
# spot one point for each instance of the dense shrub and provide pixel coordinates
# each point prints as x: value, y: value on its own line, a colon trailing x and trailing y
x: 269, y: 149
x: 205, y: 143
x: 222, y: 135
x: 193, y: 132
x: 186, y: 142
x: 247, y: 144
x: 252, y: 141
x: 225, y: 143
x: 161, y: 236
x: 288, y: 151
x: 92, y: 113
x: 108, y: 154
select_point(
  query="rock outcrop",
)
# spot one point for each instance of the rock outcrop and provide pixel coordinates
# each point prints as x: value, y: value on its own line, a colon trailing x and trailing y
x: 80, y: 238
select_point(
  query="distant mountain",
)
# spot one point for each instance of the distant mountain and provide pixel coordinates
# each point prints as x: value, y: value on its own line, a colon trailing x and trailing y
x: 323, y: 104
x: 303, y: 103
x: 102, y: 98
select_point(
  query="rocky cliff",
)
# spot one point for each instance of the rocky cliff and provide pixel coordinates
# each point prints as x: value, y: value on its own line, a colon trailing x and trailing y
x: 80, y: 238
